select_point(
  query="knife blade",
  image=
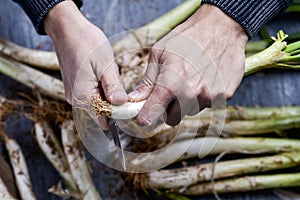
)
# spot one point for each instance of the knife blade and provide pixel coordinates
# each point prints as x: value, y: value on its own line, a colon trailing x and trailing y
x: 116, y: 137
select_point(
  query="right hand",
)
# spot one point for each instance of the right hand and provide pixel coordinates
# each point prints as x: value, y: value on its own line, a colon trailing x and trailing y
x: 85, y: 56
x: 198, y: 64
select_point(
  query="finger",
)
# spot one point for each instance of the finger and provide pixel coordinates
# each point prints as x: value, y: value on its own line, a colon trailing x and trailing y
x: 103, y: 122
x: 112, y: 86
x: 181, y: 107
x: 106, y: 71
x: 147, y: 84
x: 165, y: 92
x: 85, y: 86
x: 155, y: 106
x: 174, y: 115
x: 202, y: 101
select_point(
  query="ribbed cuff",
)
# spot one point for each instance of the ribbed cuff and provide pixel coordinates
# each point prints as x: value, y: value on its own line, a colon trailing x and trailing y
x: 251, y: 14
x: 37, y: 9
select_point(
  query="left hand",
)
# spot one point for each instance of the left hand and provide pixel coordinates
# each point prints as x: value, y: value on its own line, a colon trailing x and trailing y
x: 198, y: 63
x: 86, y: 58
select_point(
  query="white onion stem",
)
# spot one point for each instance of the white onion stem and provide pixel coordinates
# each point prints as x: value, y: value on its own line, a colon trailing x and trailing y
x: 33, y: 78
x: 128, y: 110
x: 37, y: 58
x: 184, y: 177
x: 77, y: 161
x: 20, y: 169
x: 52, y: 149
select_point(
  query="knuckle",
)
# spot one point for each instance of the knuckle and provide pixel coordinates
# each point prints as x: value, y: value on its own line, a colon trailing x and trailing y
x: 191, y: 96
x: 146, y: 83
x: 218, y: 95
x: 164, y: 92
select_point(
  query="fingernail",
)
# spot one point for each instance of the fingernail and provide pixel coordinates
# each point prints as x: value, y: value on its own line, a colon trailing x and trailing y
x: 118, y: 97
x: 134, y: 94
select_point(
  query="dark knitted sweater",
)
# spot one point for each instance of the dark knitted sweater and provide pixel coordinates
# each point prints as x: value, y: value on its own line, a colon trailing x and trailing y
x: 251, y: 14
x: 37, y: 9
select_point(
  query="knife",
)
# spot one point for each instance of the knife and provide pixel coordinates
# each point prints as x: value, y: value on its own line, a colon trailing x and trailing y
x: 116, y: 137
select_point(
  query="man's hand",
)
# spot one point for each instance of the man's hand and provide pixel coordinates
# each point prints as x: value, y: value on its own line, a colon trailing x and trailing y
x: 199, y: 62
x: 85, y: 56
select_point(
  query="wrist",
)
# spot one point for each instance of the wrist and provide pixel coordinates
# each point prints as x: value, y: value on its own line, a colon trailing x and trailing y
x: 215, y: 18
x: 62, y: 19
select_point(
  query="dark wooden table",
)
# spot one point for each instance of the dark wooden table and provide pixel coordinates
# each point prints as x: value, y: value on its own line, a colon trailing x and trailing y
x: 271, y: 88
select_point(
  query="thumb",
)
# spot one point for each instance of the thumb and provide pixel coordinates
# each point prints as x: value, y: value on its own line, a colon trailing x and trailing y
x: 112, y: 86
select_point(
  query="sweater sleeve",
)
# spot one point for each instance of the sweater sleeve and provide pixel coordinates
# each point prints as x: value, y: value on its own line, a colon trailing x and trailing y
x: 37, y: 9
x: 251, y: 14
